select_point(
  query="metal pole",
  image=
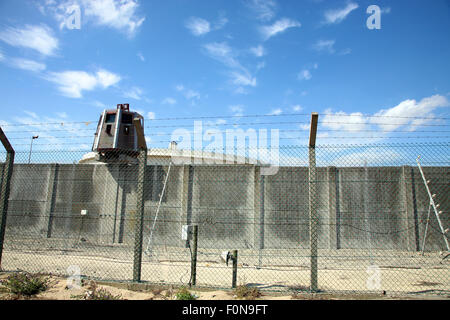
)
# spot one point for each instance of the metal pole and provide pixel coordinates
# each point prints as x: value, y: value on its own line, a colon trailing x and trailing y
x: 5, y: 187
x: 235, y: 263
x: 148, y: 250
x: 194, y: 254
x: 138, y: 234
x: 313, y: 219
x: 31, y: 147
x: 261, y: 222
x: 140, y: 205
x: 433, y: 204
x: 426, y: 229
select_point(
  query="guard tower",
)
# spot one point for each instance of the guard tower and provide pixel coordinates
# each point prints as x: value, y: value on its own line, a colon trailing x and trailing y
x: 116, y: 137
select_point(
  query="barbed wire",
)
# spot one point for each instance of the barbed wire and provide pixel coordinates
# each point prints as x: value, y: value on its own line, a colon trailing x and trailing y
x: 89, y: 122
x: 297, y: 122
x: 256, y: 138
x: 281, y: 130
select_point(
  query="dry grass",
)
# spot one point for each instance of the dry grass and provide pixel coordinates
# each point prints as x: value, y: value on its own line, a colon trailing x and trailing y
x: 184, y: 294
x: 24, y: 284
x: 95, y: 293
x: 245, y: 292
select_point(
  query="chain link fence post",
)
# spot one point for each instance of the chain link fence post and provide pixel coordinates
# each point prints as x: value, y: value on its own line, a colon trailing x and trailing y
x: 313, y: 219
x: 5, y: 187
x: 235, y: 265
x: 140, y: 205
x: 194, y: 254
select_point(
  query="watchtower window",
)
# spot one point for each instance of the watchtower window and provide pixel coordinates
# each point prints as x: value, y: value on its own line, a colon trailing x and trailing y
x: 108, y: 129
x: 127, y: 118
x: 110, y: 118
x: 126, y: 130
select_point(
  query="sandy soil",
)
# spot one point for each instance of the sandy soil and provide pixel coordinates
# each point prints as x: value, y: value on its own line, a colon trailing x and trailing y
x: 276, y: 273
x: 59, y: 290
x: 347, y: 273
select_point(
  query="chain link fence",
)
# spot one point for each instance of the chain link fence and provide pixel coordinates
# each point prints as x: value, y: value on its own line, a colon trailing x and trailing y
x: 368, y: 206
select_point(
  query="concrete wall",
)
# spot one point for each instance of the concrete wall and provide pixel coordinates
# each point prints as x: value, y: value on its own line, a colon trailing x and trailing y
x: 373, y: 208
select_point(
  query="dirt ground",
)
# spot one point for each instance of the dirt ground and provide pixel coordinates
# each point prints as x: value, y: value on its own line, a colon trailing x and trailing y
x: 278, y: 274
x: 59, y: 290
x: 349, y: 272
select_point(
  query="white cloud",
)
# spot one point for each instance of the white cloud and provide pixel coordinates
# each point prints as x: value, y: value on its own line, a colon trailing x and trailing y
x: 368, y: 157
x: 5, y: 126
x: 264, y: 9
x: 223, y: 53
x: 73, y: 83
x: 44, y: 125
x: 220, y: 23
x: 408, y: 114
x: 141, y: 56
x: 151, y: 115
x: 278, y: 27
x: 305, y: 126
x: 117, y: 14
x: 106, y: 78
x: 276, y: 112
x: 325, y: 45
x: 169, y: 101
x: 237, y: 110
x: 31, y: 114
x: 29, y: 65
x: 198, y: 26
x: 260, y: 65
x: 192, y: 94
x: 304, y: 75
x: 344, y: 121
x: 215, y: 124
x: 36, y: 37
x: 189, y: 94
x: 134, y: 93
x: 297, y: 108
x: 345, y: 51
x: 338, y: 15
x: 62, y: 11
x: 98, y: 104
x: 243, y: 79
x: 62, y: 115
x: 2, y: 57
x: 241, y: 90
x: 140, y: 111
x: 258, y: 51
x: 403, y: 113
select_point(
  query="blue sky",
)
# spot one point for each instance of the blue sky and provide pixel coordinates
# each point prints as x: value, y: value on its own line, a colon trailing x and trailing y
x: 181, y: 58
